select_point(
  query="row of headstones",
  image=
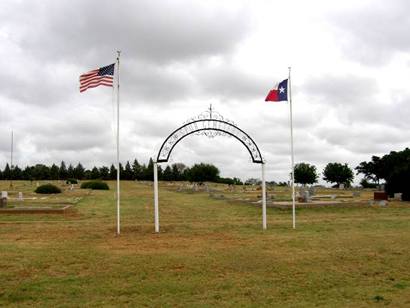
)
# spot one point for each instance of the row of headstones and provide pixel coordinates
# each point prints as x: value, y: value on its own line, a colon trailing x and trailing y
x: 5, y: 195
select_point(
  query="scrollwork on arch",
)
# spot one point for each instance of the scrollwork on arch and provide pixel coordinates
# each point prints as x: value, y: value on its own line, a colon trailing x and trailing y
x: 210, y: 124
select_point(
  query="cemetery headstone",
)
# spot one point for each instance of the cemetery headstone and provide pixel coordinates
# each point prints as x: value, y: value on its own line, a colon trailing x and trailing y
x: 4, y: 194
x: 397, y: 196
x: 380, y: 195
x: 304, y: 196
x: 356, y: 194
x: 342, y: 186
x: 311, y: 191
x: 20, y: 196
x: 382, y: 202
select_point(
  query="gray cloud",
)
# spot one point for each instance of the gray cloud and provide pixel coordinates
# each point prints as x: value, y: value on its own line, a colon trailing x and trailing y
x: 227, y: 81
x: 343, y: 90
x: 85, y: 30
x: 373, y: 33
x: 66, y: 39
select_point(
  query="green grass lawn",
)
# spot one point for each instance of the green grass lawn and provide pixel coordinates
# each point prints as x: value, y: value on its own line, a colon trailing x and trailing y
x: 210, y: 252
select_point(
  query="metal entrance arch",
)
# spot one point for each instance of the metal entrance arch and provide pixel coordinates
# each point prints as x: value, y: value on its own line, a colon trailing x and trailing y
x: 210, y: 124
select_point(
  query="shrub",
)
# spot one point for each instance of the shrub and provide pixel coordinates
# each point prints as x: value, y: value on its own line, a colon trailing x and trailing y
x: 48, y: 189
x: 99, y: 185
x: 71, y: 181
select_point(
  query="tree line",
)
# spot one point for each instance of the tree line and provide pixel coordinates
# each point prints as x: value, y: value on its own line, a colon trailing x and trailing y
x: 131, y: 171
x: 334, y: 173
x: 392, y: 168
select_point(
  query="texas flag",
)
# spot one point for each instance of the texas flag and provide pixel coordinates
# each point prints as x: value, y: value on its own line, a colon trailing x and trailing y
x: 278, y: 94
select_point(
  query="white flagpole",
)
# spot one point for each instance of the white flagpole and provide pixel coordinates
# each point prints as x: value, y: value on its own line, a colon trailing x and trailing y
x: 11, y: 159
x: 118, y: 142
x: 263, y: 197
x: 291, y: 150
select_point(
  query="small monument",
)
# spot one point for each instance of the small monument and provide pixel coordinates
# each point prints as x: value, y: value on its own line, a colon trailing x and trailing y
x: 3, y: 199
x: 398, y: 196
x: 20, y: 198
x: 380, y: 195
x: 4, y: 194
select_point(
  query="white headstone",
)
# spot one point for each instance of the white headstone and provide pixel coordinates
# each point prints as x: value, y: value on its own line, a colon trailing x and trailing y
x: 397, y: 196
x: 20, y: 196
x: 72, y: 187
x: 382, y: 202
x: 342, y: 186
x: 4, y: 194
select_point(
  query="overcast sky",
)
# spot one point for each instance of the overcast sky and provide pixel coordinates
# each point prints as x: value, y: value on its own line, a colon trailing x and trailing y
x: 350, y: 75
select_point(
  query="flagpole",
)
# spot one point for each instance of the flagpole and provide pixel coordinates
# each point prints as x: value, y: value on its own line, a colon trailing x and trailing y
x: 292, y: 155
x: 11, y: 159
x: 118, y: 142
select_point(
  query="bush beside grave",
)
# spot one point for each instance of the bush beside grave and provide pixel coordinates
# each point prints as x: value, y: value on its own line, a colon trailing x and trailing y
x: 71, y: 181
x: 95, y: 185
x: 48, y: 189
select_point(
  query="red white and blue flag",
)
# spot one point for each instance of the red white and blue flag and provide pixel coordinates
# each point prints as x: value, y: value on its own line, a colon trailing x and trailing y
x: 280, y: 93
x: 102, y: 76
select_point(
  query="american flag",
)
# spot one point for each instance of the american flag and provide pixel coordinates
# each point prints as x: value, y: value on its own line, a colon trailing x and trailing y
x: 102, y: 76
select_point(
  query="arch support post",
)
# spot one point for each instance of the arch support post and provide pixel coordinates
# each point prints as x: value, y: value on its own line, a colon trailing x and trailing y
x: 263, y: 197
x: 156, y: 206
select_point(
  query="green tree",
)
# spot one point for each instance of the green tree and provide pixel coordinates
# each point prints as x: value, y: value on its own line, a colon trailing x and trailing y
x: 148, y: 171
x: 40, y: 172
x: 70, y: 171
x: 16, y: 173
x: 179, y: 172
x: 338, y: 173
x: 136, y: 170
x: 305, y: 174
x: 62, y: 172
x: 113, y: 172
x: 95, y: 173
x: 395, y: 170
x: 104, y: 172
x: 79, y: 172
x: 7, y: 172
x: 167, y: 175
x: 203, y: 173
x: 128, y: 174
x: 27, y: 173
x: 54, y: 171
x: 372, y: 170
